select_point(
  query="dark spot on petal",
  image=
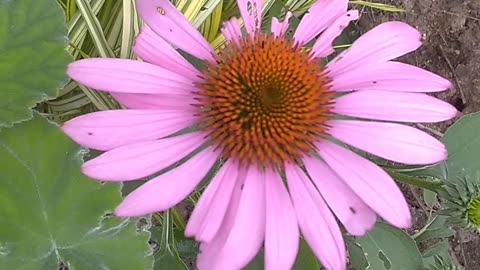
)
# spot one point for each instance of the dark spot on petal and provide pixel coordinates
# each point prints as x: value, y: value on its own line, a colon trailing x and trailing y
x: 171, y: 30
x: 374, y: 82
x: 241, y: 187
x: 89, y: 133
x: 352, y: 210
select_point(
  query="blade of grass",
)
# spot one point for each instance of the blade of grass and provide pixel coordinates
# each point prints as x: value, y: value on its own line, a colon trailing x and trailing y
x: 95, y: 29
x: 210, y: 26
x: 190, y: 8
x: 130, y: 19
x: 380, y: 6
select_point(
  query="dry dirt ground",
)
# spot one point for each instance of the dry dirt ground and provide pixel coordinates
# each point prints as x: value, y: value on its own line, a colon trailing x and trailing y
x: 451, y: 32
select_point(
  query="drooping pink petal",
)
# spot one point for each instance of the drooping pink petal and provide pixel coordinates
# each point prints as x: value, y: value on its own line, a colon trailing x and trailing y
x: 210, y: 210
x: 168, y: 189
x: 385, y: 42
x: 279, y: 28
x: 128, y: 76
x: 354, y: 214
x: 155, y: 50
x: 320, y: 15
x: 394, y: 106
x: 372, y: 184
x: 231, y: 30
x: 323, y: 47
x: 395, y: 142
x: 316, y: 222
x: 389, y: 76
x: 165, y: 20
x: 105, y: 130
x: 156, y: 102
x: 281, y: 230
x: 137, y: 160
x: 247, y: 229
x: 251, y: 11
x: 207, y: 258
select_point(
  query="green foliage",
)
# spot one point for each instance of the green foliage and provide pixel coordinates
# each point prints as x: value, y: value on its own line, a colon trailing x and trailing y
x: 437, y: 257
x: 167, y: 256
x: 32, y: 56
x: 305, y: 260
x: 437, y: 228
x: 51, y: 214
x: 385, y: 247
x: 379, y: 6
x: 462, y: 140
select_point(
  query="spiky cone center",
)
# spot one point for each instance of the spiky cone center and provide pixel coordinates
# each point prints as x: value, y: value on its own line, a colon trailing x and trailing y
x: 473, y: 211
x: 264, y: 101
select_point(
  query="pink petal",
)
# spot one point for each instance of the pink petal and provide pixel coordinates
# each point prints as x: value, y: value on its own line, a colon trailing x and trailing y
x: 394, y: 106
x: 251, y: 11
x: 320, y: 15
x: 372, y: 184
x: 279, y: 28
x: 105, y: 130
x: 137, y: 160
x: 165, y: 20
x: 389, y: 76
x: 231, y: 30
x: 154, y: 49
x: 316, y: 222
x: 154, y: 102
x: 128, y: 76
x: 207, y: 258
x: 245, y: 231
x: 210, y: 210
x: 354, y: 214
x: 323, y: 47
x: 281, y: 231
x: 385, y: 42
x: 395, y: 142
x: 168, y: 189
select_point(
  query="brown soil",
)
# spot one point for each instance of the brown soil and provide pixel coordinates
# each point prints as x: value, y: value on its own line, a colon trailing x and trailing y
x: 451, y: 32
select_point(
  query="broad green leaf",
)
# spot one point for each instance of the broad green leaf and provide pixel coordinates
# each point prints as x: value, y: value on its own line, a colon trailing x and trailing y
x: 437, y: 228
x: 356, y: 254
x: 51, y: 214
x: 462, y: 140
x: 32, y: 56
x: 386, y: 247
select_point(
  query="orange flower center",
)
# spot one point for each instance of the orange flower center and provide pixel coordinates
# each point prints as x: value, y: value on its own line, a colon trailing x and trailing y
x: 264, y: 101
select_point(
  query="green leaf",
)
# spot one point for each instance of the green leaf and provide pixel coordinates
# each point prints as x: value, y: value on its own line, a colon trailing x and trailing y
x: 51, y: 214
x: 305, y: 260
x: 386, y: 247
x: 462, y: 140
x: 439, y: 249
x: 429, y: 197
x: 32, y: 56
x: 356, y: 254
x: 437, y: 228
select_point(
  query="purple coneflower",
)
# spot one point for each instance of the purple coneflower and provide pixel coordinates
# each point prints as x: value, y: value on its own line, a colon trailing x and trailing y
x: 269, y: 109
